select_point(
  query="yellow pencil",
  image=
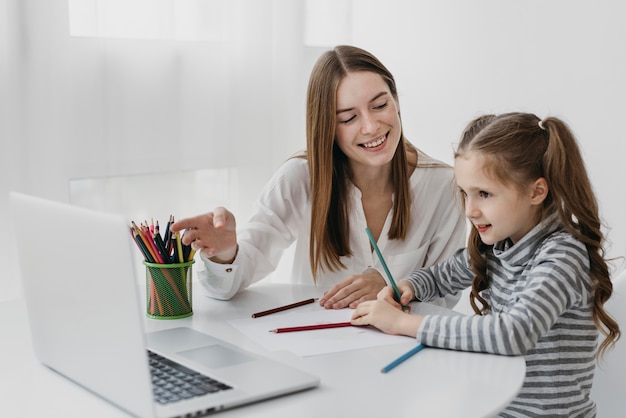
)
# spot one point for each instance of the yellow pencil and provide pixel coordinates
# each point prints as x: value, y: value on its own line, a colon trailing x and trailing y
x: 191, y: 254
x: 179, y: 247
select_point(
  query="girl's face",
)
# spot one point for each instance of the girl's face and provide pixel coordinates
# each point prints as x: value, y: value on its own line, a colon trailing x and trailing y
x: 497, y: 211
x: 368, y: 123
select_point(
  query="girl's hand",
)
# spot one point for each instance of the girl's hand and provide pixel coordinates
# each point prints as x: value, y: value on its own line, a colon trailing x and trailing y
x: 406, y: 295
x: 406, y: 292
x: 212, y: 234
x: 386, y: 317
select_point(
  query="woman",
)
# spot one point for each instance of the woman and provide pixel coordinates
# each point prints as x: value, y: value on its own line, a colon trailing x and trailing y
x: 358, y: 171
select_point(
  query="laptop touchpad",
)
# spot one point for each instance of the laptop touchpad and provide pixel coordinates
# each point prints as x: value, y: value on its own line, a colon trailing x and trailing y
x: 215, y: 356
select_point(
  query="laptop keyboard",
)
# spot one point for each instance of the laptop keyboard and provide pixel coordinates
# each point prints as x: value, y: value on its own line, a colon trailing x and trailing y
x: 174, y: 382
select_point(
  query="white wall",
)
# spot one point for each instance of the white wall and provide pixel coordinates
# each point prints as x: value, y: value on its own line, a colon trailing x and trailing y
x: 85, y: 107
x: 455, y: 59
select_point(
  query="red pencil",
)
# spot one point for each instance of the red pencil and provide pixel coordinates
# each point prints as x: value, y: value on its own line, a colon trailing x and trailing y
x: 283, y: 308
x: 313, y: 327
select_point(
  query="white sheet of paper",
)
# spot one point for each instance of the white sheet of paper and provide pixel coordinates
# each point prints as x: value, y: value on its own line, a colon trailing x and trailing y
x: 315, y: 342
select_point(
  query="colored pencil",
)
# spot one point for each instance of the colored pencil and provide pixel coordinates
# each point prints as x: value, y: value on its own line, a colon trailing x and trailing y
x: 402, y: 358
x: 312, y: 327
x: 387, y: 272
x: 191, y: 254
x: 283, y: 308
x: 150, y: 240
x: 159, y: 249
x: 141, y: 245
x: 167, y: 234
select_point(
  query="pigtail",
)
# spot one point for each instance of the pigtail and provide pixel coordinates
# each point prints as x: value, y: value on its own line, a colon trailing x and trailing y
x: 476, y: 250
x: 573, y: 199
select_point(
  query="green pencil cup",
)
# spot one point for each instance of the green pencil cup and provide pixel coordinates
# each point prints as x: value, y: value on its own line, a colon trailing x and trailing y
x: 168, y: 290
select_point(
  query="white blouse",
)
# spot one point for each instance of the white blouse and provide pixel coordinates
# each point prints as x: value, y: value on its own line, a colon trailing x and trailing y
x: 282, y: 215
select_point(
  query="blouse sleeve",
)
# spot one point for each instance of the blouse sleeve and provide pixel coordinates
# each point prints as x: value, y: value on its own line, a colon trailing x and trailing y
x: 262, y: 240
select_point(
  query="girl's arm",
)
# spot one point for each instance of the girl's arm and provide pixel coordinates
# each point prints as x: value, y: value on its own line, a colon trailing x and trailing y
x: 448, y: 277
x: 553, y: 286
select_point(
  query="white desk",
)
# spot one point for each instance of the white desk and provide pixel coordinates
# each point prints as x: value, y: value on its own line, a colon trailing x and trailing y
x: 433, y: 383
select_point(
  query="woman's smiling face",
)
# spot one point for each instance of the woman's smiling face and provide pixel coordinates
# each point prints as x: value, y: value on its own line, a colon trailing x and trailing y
x: 368, y: 121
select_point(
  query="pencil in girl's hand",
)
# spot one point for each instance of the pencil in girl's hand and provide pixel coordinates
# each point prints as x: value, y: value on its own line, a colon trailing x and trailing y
x: 382, y: 261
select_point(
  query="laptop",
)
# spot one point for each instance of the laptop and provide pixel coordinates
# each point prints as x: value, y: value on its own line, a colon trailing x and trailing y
x: 87, y: 319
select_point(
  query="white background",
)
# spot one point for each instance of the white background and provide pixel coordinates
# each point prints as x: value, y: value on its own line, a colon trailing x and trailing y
x: 76, y: 107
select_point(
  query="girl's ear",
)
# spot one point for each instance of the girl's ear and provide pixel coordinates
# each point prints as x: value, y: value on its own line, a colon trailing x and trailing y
x: 539, y: 191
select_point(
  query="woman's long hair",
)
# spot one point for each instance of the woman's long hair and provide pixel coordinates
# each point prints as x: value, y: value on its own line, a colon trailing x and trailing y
x: 328, y: 165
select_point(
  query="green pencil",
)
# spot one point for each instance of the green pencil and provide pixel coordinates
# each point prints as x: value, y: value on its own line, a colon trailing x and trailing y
x: 387, y: 272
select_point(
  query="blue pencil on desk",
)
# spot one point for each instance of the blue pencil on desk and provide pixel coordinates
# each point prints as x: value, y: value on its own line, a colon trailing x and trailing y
x: 402, y: 358
x: 382, y: 261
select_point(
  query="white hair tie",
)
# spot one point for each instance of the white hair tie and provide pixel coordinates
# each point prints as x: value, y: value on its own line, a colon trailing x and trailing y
x: 541, y: 125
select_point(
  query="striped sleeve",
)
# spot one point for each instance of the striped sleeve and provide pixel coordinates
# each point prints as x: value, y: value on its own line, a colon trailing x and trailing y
x: 527, y: 301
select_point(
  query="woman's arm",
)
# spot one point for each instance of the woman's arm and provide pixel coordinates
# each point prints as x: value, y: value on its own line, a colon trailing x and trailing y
x: 262, y: 240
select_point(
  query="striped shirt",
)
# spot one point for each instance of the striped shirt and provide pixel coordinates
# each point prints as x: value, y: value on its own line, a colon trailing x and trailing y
x: 540, y: 297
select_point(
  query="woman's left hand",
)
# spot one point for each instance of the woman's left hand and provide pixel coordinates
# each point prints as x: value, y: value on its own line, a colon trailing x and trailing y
x: 353, y: 290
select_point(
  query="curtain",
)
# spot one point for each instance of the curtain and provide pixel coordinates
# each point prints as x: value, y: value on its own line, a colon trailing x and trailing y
x: 82, y: 102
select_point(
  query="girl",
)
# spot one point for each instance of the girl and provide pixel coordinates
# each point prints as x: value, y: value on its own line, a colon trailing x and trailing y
x: 358, y: 170
x: 535, y: 264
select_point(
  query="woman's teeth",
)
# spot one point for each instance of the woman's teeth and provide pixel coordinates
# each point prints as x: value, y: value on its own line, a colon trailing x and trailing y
x: 375, y: 143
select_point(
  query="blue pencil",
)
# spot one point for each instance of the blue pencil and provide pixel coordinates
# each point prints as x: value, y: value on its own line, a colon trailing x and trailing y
x: 403, y: 357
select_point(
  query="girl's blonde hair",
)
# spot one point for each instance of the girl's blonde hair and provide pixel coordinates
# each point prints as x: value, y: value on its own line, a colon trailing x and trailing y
x: 521, y: 148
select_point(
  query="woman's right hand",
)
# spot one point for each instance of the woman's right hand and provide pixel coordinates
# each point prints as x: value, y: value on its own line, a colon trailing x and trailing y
x: 212, y: 234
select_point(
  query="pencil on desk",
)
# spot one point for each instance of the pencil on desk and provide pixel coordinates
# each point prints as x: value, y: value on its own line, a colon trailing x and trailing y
x: 283, y: 308
x: 402, y: 358
x: 312, y: 327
